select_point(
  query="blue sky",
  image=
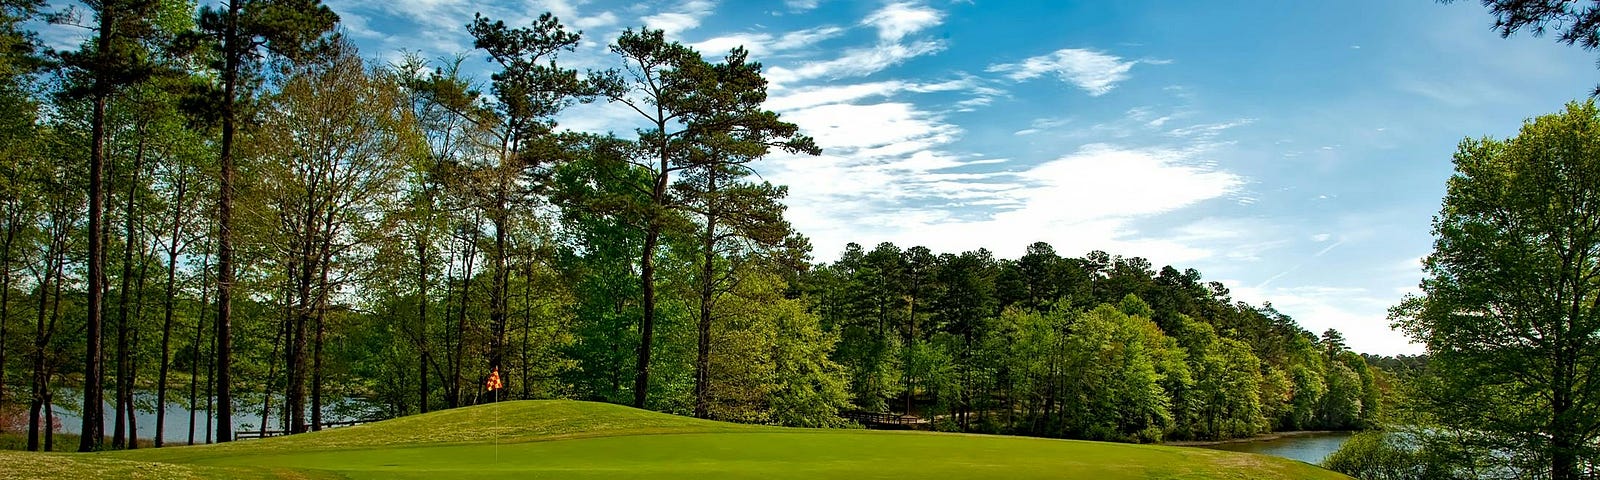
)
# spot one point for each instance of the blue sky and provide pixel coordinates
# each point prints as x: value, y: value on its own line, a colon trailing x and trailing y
x: 1295, y: 151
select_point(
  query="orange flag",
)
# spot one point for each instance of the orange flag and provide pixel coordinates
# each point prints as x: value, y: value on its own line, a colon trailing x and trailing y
x: 494, y: 382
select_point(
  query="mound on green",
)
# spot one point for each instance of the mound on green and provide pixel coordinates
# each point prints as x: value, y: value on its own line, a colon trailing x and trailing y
x: 566, y: 439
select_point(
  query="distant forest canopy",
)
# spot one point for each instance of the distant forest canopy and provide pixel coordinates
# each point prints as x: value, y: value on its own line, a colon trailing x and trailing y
x: 1100, y: 347
x: 237, y: 213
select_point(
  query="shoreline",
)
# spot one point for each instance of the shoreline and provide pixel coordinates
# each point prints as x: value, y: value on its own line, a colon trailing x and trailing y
x: 1257, y: 438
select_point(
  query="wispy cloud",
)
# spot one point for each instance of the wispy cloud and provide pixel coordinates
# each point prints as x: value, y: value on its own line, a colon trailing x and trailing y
x: 684, y: 17
x: 802, y: 5
x: 1093, y: 71
x: 897, y: 20
x: 1067, y: 201
x: 763, y: 44
x: 855, y: 62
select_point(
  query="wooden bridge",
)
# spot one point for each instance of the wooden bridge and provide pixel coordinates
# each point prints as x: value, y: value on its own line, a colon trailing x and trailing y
x: 884, y: 421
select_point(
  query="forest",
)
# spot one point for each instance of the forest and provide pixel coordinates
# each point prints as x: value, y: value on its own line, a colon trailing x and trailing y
x: 233, y: 210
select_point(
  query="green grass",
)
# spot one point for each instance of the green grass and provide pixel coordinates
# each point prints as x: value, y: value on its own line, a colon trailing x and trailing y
x: 565, y: 439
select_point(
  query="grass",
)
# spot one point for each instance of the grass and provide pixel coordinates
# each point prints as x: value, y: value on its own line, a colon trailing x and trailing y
x: 64, y: 442
x: 566, y: 439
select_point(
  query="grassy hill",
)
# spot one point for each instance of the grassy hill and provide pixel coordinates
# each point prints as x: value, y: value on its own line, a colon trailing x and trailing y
x: 566, y: 439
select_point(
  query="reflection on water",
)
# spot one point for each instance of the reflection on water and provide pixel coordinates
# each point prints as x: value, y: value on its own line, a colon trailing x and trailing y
x: 1306, y: 448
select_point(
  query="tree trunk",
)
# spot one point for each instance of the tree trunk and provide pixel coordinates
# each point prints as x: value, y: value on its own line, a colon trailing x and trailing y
x: 497, y: 294
x: 93, y: 391
x: 166, y: 323
x: 194, y: 364
x: 708, y: 244
x: 41, y: 341
x: 316, y: 374
x: 647, y: 264
x: 231, y: 51
x: 5, y: 295
x: 527, y: 324
x: 647, y: 278
x: 133, y: 367
x: 49, y: 417
x: 277, y: 346
x: 422, y: 324
x: 325, y: 260
x: 124, y: 394
x: 461, y: 315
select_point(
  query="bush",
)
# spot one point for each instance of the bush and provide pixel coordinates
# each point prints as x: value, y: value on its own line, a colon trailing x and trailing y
x: 1377, y: 456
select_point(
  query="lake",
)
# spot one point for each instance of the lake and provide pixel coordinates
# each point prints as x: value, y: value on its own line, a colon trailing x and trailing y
x: 246, y: 417
x: 1312, y: 448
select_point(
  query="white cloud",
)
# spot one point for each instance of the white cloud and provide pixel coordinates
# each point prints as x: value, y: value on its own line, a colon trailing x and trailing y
x: 1208, y: 130
x: 686, y: 16
x: 802, y: 5
x: 762, y: 44
x: 1078, y: 202
x: 1094, y: 72
x: 855, y: 62
x: 567, y: 12
x: 897, y: 20
x: 802, y: 97
x: 1360, y: 314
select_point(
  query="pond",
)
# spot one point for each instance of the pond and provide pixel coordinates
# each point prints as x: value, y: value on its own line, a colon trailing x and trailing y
x: 1309, y: 448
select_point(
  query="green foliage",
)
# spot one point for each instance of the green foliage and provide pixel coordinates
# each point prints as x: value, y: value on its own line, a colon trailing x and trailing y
x: 1378, y: 456
x: 1508, y: 311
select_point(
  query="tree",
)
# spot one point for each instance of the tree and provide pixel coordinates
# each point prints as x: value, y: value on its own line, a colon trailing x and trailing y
x: 116, y: 58
x: 530, y: 90
x: 1508, y: 310
x: 18, y: 143
x: 739, y: 218
x: 720, y: 126
x: 654, y: 86
x: 327, y: 188
x: 292, y: 29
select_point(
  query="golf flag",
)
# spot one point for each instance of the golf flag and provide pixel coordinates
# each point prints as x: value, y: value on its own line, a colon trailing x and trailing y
x: 494, y: 382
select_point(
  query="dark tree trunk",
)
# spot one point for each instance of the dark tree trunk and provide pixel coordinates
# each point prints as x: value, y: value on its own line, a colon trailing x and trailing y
x: 41, y: 340
x: 422, y: 324
x: 133, y: 367
x: 5, y: 290
x: 93, y: 389
x: 5, y: 294
x: 277, y: 346
x: 325, y: 261
x: 527, y: 325
x: 49, y: 418
x: 497, y: 294
x: 647, y: 280
x: 124, y: 394
x: 231, y: 53
x: 166, y: 323
x: 708, y: 245
x: 461, y: 317
x: 194, y: 366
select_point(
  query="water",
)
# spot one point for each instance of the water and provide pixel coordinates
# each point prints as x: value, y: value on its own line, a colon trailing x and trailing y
x: 246, y: 417
x: 1311, y: 449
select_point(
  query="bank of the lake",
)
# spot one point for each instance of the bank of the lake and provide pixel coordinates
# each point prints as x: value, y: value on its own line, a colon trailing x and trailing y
x: 1306, y: 446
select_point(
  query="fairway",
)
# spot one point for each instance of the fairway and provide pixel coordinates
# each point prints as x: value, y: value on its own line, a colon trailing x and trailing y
x: 564, y: 439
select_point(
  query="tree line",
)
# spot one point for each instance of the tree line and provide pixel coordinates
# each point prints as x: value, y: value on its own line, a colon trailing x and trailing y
x: 229, y: 207
x: 1100, y: 347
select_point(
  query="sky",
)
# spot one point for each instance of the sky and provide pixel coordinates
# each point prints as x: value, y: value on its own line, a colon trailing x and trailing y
x: 1294, y: 151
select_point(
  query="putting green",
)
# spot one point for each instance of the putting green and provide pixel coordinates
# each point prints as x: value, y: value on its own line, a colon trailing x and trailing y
x: 564, y: 439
